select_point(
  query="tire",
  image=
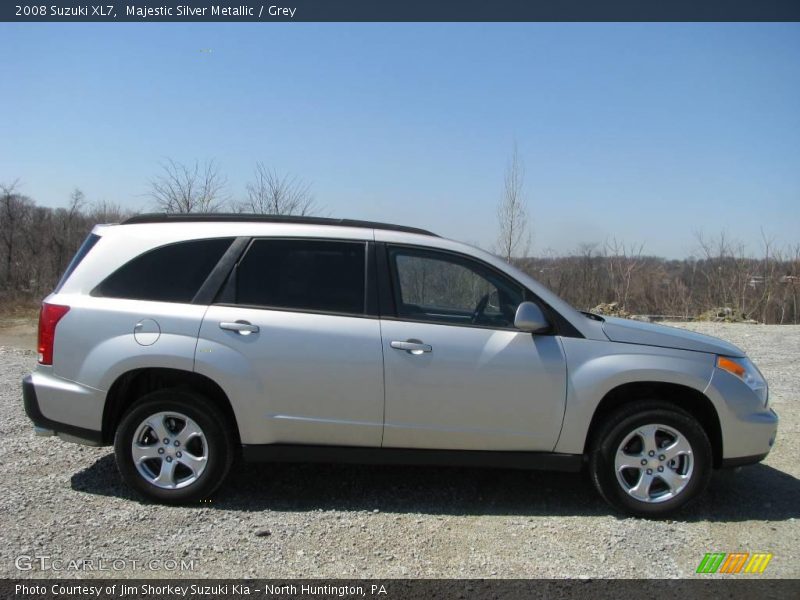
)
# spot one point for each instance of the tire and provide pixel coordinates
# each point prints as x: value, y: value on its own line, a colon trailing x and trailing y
x: 635, y: 482
x: 183, y: 445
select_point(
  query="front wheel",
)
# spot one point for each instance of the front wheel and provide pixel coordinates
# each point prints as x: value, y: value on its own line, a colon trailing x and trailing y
x: 173, y: 446
x: 650, y: 459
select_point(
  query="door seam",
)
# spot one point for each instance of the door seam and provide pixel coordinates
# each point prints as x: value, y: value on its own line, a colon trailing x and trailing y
x: 383, y: 380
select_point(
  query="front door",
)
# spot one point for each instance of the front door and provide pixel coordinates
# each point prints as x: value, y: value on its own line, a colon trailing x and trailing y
x: 458, y: 375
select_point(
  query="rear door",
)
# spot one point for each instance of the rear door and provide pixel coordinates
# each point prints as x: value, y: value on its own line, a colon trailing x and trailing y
x: 293, y: 344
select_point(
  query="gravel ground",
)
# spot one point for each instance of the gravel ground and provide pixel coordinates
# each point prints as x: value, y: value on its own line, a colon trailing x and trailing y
x: 67, y: 502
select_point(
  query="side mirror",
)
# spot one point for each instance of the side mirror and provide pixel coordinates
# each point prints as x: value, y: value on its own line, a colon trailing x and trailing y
x: 530, y: 318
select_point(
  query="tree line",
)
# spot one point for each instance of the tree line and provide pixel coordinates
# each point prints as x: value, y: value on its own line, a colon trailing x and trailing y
x: 722, y: 281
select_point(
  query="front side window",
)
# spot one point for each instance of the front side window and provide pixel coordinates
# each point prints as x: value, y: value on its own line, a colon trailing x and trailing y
x: 172, y: 273
x: 317, y: 275
x: 450, y: 289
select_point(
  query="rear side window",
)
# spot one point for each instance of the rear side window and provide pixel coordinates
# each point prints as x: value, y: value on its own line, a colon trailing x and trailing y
x: 86, y: 246
x: 315, y: 275
x: 172, y: 273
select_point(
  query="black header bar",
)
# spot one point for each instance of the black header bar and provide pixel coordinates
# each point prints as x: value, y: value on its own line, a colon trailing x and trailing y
x: 400, y: 10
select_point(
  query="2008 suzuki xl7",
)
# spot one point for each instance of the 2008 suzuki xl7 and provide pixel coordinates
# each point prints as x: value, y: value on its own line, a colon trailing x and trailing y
x: 184, y: 340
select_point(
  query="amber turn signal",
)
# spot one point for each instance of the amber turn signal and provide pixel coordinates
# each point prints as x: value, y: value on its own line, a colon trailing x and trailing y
x: 731, y: 366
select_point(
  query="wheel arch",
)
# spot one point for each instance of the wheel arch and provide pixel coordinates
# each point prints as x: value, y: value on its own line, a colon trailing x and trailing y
x: 133, y: 384
x: 688, y: 399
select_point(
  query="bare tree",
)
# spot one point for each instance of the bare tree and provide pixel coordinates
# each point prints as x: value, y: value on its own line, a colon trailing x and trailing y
x: 512, y: 213
x: 622, y: 261
x: 77, y: 202
x: 272, y: 194
x: 108, y: 212
x: 67, y: 229
x: 15, y: 210
x: 37, y: 250
x: 184, y: 188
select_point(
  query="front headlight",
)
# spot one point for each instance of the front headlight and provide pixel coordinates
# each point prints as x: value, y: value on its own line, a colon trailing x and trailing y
x: 745, y: 370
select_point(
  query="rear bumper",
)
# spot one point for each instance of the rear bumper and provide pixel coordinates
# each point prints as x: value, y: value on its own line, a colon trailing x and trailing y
x: 45, y: 425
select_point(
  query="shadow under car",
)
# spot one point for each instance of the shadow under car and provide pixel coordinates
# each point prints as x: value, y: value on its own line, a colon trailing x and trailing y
x: 757, y: 492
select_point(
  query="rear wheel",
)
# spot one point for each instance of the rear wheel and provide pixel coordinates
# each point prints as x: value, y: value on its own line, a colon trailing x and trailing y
x: 174, y: 446
x: 650, y: 459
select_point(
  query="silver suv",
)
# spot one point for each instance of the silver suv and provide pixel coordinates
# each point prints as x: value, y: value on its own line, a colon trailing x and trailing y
x: 188, y: 340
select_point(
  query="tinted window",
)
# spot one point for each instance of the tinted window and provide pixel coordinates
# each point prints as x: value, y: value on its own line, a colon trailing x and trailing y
x: 435, y: 286
x: 303, y: 274
x: 172, y: 273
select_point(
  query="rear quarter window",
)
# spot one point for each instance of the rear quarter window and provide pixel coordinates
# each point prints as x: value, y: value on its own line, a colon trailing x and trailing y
x: 172, y: 273
x: 86, y: 246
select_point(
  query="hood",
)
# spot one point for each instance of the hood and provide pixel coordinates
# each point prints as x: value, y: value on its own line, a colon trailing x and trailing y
x: 628, y: 331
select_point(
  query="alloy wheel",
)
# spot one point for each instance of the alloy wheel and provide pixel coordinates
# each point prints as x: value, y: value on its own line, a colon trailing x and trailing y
x: 169, y: 450
x: 654, y: 463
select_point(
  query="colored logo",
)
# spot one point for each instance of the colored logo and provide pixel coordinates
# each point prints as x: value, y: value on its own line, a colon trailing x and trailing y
x: 735, y: 562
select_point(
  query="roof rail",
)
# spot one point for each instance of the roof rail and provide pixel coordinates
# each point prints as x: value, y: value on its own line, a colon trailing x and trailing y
x: 250, y: 218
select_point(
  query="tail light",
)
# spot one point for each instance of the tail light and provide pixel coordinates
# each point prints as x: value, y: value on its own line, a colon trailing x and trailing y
x: 49, y: 317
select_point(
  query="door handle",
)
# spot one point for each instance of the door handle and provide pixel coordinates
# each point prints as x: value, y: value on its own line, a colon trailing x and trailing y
x: 412, y: 347
x: 240, y: 327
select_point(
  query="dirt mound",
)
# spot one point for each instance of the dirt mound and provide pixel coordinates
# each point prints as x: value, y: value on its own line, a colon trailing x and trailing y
x: 723, y: 314
x: 611, y: 309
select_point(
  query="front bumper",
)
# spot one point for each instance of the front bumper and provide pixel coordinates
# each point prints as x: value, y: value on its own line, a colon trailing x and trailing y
x: 46, y: 426
x: 748, y: 427
x: 761, y: 429
x: 742, y: 461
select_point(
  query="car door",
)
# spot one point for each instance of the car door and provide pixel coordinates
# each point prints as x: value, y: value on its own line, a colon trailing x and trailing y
x: 458, y: 375
x: 293, y: 347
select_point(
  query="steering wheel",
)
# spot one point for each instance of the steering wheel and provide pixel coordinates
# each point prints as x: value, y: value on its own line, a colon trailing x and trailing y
x: 479, y: 308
